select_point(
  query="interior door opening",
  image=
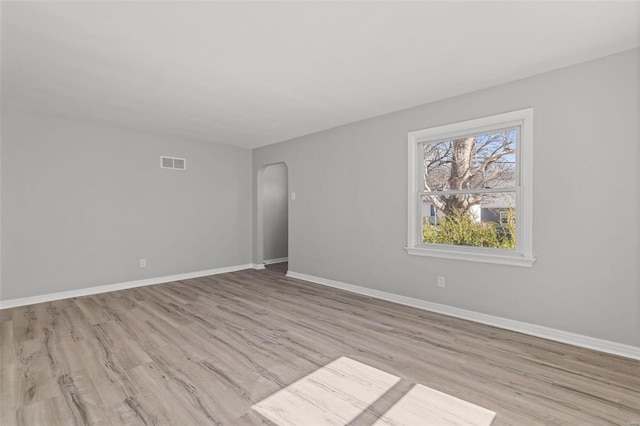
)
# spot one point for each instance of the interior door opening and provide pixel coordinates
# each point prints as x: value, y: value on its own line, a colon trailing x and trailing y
x: 275, y: 217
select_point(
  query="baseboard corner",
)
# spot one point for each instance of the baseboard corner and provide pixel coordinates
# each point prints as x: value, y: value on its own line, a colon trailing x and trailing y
x: 278, y: 260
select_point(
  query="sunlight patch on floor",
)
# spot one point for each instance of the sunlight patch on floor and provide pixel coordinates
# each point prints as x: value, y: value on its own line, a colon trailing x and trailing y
x: 339, y: 392
x: 426, y: 406
x: 332, y: 395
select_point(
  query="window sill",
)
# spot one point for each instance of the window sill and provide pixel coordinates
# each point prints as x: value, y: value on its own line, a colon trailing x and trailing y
x: 473, y: 256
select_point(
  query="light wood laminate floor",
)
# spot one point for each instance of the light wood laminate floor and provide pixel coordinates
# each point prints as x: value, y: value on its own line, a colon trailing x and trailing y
x: 203, y: 351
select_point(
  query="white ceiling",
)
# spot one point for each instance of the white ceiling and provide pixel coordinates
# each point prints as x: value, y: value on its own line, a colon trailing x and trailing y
x: 255, y: 73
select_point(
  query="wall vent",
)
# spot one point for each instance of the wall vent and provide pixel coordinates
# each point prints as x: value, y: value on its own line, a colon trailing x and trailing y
x: 173, y: 163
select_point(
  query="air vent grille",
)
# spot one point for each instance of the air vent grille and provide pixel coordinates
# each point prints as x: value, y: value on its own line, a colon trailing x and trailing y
x: 173, y: 163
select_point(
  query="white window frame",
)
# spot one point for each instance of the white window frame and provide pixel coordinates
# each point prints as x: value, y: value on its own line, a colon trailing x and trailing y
x: 523, y: 253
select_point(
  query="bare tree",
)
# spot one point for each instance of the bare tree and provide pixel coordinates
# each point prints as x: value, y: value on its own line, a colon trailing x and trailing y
x: 467, y: 164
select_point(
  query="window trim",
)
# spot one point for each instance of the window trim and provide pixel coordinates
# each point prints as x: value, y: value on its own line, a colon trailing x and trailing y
x: 523, y: 254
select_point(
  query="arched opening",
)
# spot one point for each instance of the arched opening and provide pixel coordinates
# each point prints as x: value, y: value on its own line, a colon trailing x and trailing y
x: 273, y: 216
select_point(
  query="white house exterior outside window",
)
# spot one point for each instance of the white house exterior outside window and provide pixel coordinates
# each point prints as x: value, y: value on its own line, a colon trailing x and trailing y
x: 470, y: 190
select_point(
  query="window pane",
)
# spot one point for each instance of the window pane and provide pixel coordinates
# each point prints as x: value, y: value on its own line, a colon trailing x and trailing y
x: 178, y: 163
x: 167, y: 162
x: 480, y: 161
x: 480, y: 220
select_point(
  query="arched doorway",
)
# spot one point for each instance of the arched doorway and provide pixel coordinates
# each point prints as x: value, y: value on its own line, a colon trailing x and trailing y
x: 274, y: 216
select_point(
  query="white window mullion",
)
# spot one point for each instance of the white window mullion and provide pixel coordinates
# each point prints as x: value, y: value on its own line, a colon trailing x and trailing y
x: 470, y: 191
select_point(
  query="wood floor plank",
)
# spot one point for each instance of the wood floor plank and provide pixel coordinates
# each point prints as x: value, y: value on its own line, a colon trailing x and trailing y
x: 9, y: 371
x: 45, y: 412
x: 203, y: 351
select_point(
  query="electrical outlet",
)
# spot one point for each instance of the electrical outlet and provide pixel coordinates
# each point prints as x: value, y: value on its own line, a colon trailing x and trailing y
x: 440, y: 281
x: 143, y: 263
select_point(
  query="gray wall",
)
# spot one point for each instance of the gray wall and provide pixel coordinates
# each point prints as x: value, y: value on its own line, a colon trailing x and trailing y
x: 275, y: 211
x: 81, y: 203
x: 349, y: 220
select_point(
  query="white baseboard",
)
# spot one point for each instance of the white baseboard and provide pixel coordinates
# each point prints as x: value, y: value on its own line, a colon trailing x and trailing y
x: 12, y: 303
x: 278, y: 260
x: 601, y: 345
x: 257, y: 265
